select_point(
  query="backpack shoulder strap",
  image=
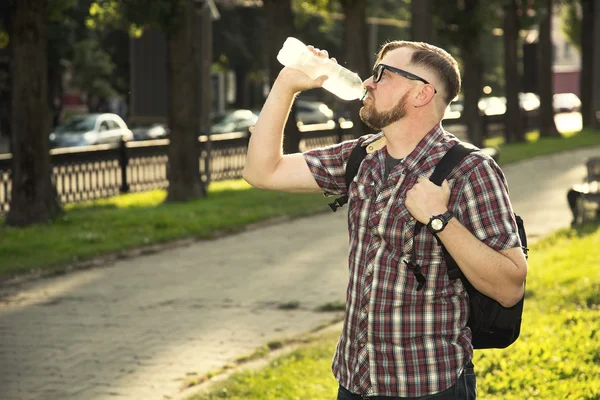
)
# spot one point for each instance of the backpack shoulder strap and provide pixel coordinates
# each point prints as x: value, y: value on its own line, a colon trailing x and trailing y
x: 357, y: 155
x: 449, y: 161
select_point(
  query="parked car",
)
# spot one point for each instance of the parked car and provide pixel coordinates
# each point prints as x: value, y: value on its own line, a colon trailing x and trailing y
x: 494, y: 105
x: 566, y: 102
x: 154, y: 131
x: 454, y: 109
x: 90, y: 129
x: 529, y: 102
x: 313, y: 112
x: 233, y: 121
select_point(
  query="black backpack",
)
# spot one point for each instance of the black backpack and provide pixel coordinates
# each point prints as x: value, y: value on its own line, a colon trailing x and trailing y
x: 491, y: 324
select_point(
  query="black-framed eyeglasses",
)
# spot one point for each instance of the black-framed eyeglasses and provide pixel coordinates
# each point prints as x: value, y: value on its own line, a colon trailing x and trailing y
x: 379, y: 68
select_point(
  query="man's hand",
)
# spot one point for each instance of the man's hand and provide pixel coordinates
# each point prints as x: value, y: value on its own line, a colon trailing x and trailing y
x: 426, y: 199
x: 298, y: 81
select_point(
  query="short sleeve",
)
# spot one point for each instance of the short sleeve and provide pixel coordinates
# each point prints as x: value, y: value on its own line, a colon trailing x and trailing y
x: 328, y: 165
x: 485, y: 207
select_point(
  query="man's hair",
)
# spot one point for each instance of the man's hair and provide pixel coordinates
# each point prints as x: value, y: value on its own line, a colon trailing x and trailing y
x: 434, y: 58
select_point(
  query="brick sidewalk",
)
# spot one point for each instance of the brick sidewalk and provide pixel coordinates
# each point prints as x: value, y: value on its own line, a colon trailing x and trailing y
x: 135, y: 329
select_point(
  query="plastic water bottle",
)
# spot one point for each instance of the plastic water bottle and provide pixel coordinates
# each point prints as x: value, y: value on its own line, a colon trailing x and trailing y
x: 343, y: 83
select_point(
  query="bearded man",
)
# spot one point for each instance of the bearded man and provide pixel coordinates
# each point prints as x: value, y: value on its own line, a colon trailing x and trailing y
x: 401, y: 340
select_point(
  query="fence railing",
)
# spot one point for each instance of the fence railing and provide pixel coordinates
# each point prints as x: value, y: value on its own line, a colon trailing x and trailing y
x: 93, y: 172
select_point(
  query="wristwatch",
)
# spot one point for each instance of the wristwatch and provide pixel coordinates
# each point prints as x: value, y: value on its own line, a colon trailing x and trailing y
x: 437, y: 223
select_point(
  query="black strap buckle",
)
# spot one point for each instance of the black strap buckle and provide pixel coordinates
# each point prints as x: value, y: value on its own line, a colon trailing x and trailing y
x: 339, y: 202
x: 416, y: 269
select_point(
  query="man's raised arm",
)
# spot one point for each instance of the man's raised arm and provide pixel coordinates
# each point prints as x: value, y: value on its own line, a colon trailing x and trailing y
x: 266, y: 166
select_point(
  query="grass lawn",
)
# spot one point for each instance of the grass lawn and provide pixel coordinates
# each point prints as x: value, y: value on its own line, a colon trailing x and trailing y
x: 99, y: 227
x: 556, y: 357
x: 124, y: 222
x: 536, y: 146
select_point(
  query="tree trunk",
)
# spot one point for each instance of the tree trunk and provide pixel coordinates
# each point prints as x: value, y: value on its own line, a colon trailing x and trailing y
x: 587, y: 62
x: 545, y: 85
x: 33, y: 196
x: 356, y: 57
x: 241, y: 88
x: 595, y: 109
x: 472, y: 72
x: 513, y: 123
x: 421, y: 28
x: 280, y: 19
x: 7, y: 16
x: 183, y: 71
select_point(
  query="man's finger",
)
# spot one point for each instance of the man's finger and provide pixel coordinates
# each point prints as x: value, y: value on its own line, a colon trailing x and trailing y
x: 445, y: 186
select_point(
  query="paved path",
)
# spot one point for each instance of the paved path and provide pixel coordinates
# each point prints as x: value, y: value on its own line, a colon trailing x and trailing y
x: 135, y: 329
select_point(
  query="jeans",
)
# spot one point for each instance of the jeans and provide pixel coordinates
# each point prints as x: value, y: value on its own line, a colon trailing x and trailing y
x: 464, y: 389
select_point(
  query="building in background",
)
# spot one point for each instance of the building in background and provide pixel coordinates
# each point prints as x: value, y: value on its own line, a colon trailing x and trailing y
x: 567, y: 60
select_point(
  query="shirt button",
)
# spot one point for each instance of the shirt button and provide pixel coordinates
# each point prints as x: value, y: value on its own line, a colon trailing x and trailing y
x: 362, y: 345
x: 372, y: 183
x: 365, y: 311
x: 378, y: 212
x: 369, y: 273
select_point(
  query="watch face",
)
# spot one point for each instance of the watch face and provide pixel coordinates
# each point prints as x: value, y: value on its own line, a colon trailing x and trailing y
x: 437, y: 224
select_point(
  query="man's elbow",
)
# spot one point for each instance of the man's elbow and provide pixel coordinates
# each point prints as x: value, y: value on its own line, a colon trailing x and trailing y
x: 253, y: 179
x: 510, y: 299
x: 516, y: 292
x: 249, y: 177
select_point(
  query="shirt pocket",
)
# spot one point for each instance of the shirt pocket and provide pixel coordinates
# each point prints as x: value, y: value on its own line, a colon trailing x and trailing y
x: 399, y: 226
x: 359, y: 198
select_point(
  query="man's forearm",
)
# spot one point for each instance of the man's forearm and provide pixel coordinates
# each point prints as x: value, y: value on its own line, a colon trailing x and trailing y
x: 265, y: 148
x: 491, y: 272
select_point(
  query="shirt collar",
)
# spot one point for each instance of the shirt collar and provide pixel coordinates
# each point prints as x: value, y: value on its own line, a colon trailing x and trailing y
x: 421, y: 151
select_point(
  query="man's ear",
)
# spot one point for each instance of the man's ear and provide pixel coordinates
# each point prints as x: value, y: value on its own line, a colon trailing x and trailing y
x: 425, y: 96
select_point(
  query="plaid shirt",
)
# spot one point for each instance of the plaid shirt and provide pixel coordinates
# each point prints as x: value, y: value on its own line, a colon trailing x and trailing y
x: 398, y: 341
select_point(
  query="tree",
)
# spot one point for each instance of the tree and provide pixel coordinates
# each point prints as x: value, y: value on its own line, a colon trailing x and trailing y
x: 571, y: 22
x: 179, y: 21
x: 183, y: 72
x: 92, y: 68
x: 355, y: 51
x: 513, y: 123
x: 421, y: 27
x: 587, y: 61
x: 545, y: 80
x: 240, y: 47
x: 595, y: 108
x: 464, y: 23
x: 280, y: 20
x: 33, y: 196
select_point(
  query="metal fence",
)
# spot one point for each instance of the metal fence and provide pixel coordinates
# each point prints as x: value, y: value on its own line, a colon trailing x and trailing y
x: 101, y: 171
x: 94, y: 172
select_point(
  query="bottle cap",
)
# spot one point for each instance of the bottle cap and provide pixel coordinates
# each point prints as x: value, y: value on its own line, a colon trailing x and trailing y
x: 291, y: 51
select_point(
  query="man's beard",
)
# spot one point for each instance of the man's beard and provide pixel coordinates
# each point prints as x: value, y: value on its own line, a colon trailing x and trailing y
x: 379, y: 120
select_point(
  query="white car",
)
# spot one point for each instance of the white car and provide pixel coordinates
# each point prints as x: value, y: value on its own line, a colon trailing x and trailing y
x: 233, y: 121
x: 566, y: 102
x: 313, y: 112
x: 90, y: 129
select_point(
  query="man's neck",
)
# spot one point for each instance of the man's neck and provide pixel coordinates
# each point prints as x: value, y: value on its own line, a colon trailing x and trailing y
x: 403, y: 136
